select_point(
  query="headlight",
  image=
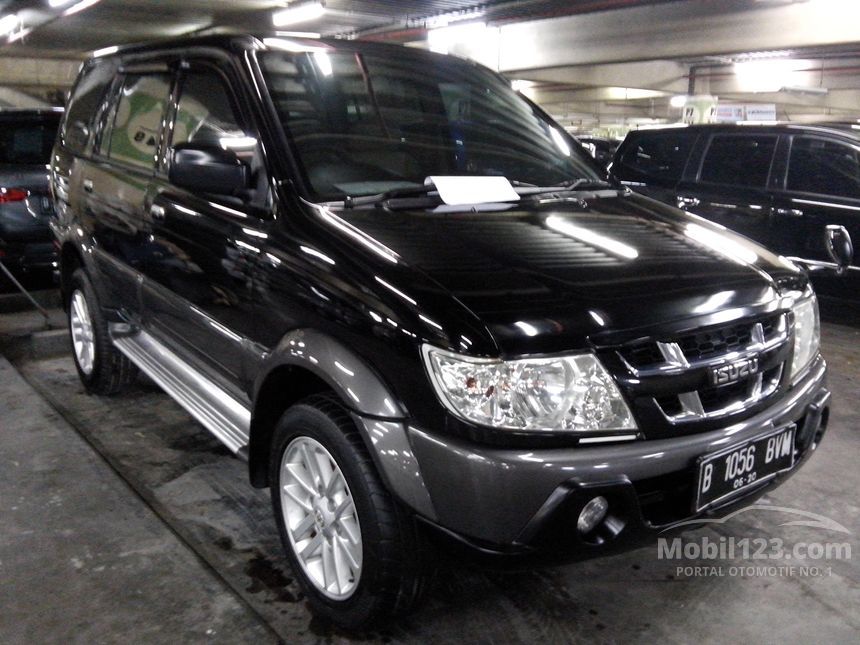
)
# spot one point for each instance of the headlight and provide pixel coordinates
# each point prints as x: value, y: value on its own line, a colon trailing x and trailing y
x: 573, y: 393
x: 807, y: 334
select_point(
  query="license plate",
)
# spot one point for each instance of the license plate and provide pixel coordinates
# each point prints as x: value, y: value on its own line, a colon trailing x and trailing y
x: 727, y: 473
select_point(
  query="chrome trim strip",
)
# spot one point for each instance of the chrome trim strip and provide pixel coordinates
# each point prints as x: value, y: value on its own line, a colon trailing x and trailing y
x: 224, y: 416
x: 618, y: 437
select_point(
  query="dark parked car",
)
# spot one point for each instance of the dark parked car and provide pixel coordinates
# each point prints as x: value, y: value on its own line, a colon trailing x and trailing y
x: 603, y: 150
x: 418, y: 310
x: 26, y: 139
x: 779, y: 185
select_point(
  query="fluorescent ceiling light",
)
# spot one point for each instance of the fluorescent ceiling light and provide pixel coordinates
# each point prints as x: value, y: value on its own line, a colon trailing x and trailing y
x: 20, y: 35
x: 299, y: 34
x: 559, y: 141
x: 57, y: 3
x: 769, y: 75
x: 298, y: 13
x: 80, y: 6
x: 323, y: 62
x: 678, y: 101
x: 9, y: 23
x: 106, y: 51
x: 473, y: 34
x: 520, y: 85
x: 287, y: 45
x: 446, y: 19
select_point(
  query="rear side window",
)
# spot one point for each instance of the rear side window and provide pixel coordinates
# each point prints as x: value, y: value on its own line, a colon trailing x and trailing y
x: 138, y: 118
x: 658, y: 156
x: 738, y: 160
x: 83, y: 104
x: 824, y: 167
x: 27, y: 141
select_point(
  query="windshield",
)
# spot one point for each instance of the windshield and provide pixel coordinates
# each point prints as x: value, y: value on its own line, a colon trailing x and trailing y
x: 27, y: 141
x: 363, y: 123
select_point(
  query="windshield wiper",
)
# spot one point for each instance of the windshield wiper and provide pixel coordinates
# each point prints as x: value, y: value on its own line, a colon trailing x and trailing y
x: 395, y: 193
x: 428, y: 191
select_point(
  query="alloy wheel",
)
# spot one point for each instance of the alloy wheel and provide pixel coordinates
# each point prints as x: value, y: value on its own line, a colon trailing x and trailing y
x: 321, y: 518
x: 83, y: 337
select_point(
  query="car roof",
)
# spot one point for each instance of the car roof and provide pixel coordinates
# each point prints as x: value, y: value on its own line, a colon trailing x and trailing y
x: 240, y: 42
x: 851, y: 129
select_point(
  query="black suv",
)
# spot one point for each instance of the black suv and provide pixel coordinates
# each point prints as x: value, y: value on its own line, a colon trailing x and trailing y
x: 418, y: 309
x: 785, y: 186
x: 26, y: 139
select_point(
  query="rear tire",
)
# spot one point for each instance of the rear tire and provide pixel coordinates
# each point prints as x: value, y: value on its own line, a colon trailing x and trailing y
x: 351, y: 585
x: 101, y: 367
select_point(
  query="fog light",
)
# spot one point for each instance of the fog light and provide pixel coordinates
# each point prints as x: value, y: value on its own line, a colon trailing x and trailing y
x: 592, y: 514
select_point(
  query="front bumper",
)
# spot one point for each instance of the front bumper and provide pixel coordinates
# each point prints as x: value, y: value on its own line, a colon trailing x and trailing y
x: 515, y: 501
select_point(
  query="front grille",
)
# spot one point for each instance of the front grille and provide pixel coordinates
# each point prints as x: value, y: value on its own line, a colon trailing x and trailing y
x: 711, y: 372
x: 719, y: 341
x: 702, y: 344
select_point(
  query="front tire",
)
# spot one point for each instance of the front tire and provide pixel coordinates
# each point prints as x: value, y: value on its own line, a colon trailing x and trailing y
x: 101, y: 367
x: 355, y: 551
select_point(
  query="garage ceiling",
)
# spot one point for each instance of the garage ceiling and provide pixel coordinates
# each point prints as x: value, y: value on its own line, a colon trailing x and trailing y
x: 589, y: 61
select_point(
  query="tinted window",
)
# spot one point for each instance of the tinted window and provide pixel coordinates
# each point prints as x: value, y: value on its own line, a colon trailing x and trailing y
x: 366, y: 123
x: 659, y: 156
x: 739, y: 160
x: 137, y: 122
x: 84, y: 102
x: 27, y: 141
x: 205, y: 114
x: 824, y: 167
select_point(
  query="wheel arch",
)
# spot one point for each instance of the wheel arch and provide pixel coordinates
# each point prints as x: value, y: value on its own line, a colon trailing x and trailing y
x: 308, y: 362
x: 70, y: 260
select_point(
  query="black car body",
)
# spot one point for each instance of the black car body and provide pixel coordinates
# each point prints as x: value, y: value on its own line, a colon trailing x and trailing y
x: 780, y: 185
x: 26, y: 139
x: 247, y: 221
x: 602, y: 149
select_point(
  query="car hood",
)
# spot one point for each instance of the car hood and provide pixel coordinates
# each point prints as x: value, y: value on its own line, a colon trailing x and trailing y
x: 555, y: 275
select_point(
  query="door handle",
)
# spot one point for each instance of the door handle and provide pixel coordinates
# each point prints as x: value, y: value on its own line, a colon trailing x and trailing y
x: 157, y: 212
x: 88, y: 185
x: 683, y: 202
x: 791, y: 212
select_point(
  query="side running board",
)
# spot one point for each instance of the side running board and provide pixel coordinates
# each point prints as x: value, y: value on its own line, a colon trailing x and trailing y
x: 224, y: 416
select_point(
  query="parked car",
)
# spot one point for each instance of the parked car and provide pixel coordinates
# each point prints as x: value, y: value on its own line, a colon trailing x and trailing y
x: 780, y: 185
x: 602, y: 149
x: 26, y: 139
x: 418, y: 310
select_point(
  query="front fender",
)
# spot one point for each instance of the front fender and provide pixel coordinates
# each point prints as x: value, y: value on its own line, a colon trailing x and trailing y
x: 355, y: 382
x: 378, y: 415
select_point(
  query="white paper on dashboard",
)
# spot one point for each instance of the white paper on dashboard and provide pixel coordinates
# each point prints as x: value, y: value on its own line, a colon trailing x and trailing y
x: 473, y: 190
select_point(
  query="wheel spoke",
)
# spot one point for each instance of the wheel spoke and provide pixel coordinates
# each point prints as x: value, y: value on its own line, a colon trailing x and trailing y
x: 298, y: 500
x: 341, y: 567
x: 312, y: 546
x: 295, y: 471
x: 303, y: 528
x: 335, y: 482
x: 311, y: 466
x: 350, y: 531
x: 329, y: 573
x: 346, y: 550
x: 345, y: 505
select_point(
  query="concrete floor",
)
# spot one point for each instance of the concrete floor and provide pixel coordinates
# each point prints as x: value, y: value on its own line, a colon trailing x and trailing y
x: 173, y: 487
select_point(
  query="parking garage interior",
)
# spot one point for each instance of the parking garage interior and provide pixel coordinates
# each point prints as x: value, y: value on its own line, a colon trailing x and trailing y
x: 123, y: 519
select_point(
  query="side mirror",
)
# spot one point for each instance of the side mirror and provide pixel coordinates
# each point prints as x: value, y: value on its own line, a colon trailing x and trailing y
x: 207, y: 169
x: 839, y: 247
